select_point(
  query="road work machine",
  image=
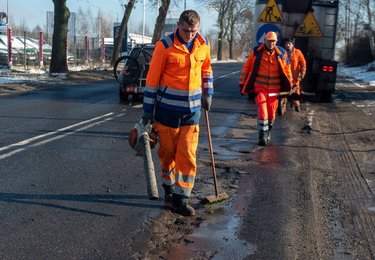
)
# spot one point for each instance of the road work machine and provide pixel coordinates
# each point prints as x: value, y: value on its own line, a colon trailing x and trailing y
x: 142, y: 138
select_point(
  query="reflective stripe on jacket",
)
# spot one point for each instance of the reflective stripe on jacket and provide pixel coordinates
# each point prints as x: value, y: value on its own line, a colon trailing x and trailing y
x: 252, y: 75
x: 177, y: 78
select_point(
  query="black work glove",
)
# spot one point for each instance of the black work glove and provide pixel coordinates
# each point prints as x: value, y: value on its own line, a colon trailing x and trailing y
x: 206, y: 102
x: 148, y: 117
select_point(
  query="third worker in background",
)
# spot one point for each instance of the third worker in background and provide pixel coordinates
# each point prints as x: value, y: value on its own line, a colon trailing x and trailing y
x: 298, y: 67
x: 179, y: 82
x: 266, y: 72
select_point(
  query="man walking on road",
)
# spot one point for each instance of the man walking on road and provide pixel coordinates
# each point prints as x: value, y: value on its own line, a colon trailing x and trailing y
x: 298, y: 67
x: 266, y: 72
x: 178, y: 84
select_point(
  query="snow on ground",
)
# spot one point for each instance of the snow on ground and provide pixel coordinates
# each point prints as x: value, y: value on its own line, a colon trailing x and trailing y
x: 365, y: 73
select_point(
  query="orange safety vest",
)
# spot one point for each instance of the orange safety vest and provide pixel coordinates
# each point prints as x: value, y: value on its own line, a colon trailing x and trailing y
x: 274, y: 75
x: 177, y: 77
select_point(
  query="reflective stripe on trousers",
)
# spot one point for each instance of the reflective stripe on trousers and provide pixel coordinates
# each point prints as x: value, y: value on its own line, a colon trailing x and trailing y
x: 177, y: 155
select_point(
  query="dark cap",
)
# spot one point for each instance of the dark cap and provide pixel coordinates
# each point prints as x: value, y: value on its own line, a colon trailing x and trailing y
x: 289, y: 40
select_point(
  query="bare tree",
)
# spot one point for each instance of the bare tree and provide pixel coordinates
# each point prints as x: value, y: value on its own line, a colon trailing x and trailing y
x: 60, y: 34
x: 124, y: 23
x: 244, y: 29
x: 237, y: 8
x: 222, y: 8
x: 160, y: 21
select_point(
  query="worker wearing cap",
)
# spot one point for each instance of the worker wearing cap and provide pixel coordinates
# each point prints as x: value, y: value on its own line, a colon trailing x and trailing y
x: 298, y: 67
x: 266, y: 71
x: 179, y: 82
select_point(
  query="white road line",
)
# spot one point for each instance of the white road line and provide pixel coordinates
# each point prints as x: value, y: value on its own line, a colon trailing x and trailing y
x: 60, y: 134
x: 234, y: 72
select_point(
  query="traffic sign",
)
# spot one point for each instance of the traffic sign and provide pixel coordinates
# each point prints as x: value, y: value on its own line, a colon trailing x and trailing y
x: 309, y: 27
x: 264, y: 29
x: 271, y: 13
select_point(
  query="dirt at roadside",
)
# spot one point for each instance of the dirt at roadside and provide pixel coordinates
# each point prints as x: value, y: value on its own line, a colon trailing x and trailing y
x: 21, y: 81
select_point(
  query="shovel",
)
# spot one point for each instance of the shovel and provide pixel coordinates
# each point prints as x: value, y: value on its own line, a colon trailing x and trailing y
x: 217, y: 197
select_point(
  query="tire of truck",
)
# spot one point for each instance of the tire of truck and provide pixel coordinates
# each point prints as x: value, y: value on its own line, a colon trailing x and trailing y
x: 324, y: 96
x: 122, y: 95
x: 126, y: 70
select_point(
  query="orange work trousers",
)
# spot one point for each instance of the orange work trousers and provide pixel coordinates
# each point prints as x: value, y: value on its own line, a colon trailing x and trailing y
x: 177, y: 156
x: 267, y: 106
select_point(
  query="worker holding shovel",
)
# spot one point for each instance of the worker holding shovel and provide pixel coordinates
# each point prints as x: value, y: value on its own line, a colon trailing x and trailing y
x: 179, y: 82
x: 266, y: 72
x: 298, y: 67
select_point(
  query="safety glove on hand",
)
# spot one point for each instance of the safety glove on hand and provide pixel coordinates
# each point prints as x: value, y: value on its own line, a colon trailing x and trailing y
x: 206, y: 102
x: 148, y: 117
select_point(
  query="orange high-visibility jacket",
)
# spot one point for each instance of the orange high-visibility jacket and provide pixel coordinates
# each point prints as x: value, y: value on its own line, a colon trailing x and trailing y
x: 297, y: 65
x: 177, y: 78
x: 250, y: 72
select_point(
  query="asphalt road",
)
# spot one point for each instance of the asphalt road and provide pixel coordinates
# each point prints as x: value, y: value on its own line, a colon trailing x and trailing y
x: 71, y: 188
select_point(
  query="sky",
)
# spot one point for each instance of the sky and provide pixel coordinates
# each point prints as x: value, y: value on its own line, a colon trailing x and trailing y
x: 33, y: 12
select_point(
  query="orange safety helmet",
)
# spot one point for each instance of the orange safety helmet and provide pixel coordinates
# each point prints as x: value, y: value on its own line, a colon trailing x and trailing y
x: 271, y: 36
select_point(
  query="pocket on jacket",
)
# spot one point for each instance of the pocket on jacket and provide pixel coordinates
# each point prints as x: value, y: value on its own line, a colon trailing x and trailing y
x: 176, y: 63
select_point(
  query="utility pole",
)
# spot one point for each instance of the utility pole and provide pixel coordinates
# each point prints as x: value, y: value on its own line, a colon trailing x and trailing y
x: 144, y: 22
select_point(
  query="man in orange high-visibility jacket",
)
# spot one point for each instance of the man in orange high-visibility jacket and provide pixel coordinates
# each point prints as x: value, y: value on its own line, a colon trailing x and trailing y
x: 298, y: 67
x: 266, y: 71
x: 179, y: 82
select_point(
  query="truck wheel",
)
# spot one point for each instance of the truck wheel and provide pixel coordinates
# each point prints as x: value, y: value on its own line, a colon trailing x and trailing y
x: 126, y: 70
x: 324, y: 96
x: 123, y: 96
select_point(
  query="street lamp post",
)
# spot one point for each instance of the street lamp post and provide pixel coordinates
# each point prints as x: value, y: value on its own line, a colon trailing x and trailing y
x: 7, y: 13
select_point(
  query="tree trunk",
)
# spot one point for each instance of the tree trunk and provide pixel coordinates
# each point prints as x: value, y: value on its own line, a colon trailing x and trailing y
x: 220, y: 45
x: 60, y: 35
x: 160, y: 21
x: 222, y: 9
x: 124, y: 24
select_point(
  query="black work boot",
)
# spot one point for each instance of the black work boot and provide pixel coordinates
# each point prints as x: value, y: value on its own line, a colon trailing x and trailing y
x: 168, y: 191
x: 180, y: 205
x: 262, y: 137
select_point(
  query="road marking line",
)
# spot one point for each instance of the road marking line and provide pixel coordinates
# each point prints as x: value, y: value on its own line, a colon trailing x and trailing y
x: 60, y: 134
x: 234, y: 72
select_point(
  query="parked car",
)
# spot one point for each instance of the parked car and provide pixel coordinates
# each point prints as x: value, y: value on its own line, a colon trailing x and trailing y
x: 131, y: 71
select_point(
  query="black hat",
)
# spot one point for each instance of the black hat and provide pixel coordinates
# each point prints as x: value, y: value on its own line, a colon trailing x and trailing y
x: 289, y: 40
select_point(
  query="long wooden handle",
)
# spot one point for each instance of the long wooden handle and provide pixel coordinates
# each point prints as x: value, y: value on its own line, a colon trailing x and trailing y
x: 211, y: 153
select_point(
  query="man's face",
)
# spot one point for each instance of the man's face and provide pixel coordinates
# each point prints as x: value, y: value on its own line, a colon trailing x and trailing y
x: 270, y: 44
x: 288, y: 46
x: 187, y: 31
